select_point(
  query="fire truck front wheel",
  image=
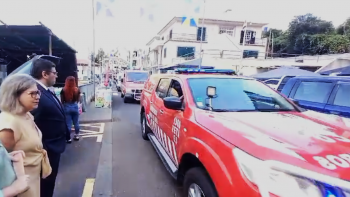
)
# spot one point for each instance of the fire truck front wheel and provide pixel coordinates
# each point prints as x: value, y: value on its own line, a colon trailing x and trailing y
x: 198, y: 183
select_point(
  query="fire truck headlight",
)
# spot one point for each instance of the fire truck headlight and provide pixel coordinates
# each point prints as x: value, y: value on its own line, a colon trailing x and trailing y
x: 270, y: 181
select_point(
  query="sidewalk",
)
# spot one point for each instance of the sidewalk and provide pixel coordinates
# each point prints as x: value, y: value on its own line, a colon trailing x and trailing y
x: 96, y: 115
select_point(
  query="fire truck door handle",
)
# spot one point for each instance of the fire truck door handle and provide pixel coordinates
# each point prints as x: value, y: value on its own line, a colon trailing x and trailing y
x: 161, y: 111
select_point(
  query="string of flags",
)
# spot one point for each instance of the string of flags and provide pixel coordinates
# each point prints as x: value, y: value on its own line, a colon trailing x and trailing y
x: 104, y: 7
x: 191, y: 18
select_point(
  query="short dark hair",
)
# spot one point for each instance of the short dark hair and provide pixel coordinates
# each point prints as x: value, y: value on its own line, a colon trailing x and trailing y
x: 40, y: 65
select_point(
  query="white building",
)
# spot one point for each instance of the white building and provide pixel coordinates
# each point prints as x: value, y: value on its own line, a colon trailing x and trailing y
x: 175, y: 43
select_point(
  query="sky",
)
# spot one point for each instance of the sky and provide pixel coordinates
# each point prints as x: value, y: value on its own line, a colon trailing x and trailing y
x: 71, y: 20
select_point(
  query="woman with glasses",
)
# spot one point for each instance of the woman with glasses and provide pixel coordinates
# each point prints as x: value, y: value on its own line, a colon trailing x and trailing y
x: 18, y: 96
x: 70, y: 96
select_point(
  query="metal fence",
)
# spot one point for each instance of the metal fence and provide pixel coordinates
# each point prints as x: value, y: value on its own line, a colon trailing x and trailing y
x: 87, y: 94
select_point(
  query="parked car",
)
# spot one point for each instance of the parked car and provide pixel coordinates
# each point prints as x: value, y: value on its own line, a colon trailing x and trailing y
x: 278, y: 84
x: 231, y: 136
x: 119, y: 82
x: 325, y: 94
x: 132, y: 84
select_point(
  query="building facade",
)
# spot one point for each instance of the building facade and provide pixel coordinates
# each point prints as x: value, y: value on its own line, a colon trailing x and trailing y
x: 175, y: 43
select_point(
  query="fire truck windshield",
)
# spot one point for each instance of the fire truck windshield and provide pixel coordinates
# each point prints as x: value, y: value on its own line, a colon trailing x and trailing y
x: 136, y: 76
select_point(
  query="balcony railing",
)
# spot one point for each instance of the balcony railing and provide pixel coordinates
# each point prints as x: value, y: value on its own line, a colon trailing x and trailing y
x: 186, y: 37
x: 182, y: 59
x: 256, y: 41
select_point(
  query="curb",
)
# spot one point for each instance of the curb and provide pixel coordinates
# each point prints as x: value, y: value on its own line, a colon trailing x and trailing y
x: 104, y: 177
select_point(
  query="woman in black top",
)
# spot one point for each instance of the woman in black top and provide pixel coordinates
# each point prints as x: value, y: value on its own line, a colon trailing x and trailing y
x: 70, y: 96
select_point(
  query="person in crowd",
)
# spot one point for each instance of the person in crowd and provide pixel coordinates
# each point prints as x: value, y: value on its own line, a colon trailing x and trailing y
x: 18, y: 131
x: 70, y: 96
x: 13, y: 180
x: 51, y: 120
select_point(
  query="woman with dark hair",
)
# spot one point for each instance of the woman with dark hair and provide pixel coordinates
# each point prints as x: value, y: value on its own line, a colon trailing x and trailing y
x: 70, y: 96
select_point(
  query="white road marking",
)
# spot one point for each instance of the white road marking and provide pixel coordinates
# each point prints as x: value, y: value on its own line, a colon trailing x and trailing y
x: 84, y: 133
x: 102, y: 129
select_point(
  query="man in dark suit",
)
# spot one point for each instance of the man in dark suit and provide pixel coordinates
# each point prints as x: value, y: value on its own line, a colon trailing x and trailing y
x: 50, y: 119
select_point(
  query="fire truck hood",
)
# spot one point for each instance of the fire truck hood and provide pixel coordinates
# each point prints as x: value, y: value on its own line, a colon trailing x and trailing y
x: 263, y: 134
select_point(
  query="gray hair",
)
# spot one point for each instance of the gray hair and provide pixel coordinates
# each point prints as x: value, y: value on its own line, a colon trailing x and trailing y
x: 10, y: 91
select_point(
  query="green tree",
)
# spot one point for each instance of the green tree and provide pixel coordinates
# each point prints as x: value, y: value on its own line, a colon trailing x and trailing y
x: 275, y: 32
x: 344, y: 29
x: 300, y: 30
x: 308, y: 34
x: 100, y: 55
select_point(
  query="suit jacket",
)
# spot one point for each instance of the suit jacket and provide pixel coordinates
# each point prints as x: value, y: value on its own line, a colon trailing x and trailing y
x: 51, y: 120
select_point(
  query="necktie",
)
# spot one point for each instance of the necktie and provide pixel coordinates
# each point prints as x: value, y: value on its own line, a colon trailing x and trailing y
x: 54, y: 97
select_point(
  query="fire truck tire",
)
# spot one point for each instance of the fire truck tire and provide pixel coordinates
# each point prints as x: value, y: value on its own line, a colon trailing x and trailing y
x: 144, y: 127
x: 198, y: 177
x: 122, y: 95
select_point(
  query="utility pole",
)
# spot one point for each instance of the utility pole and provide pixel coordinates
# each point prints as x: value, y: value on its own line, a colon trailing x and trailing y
x: 245, y: 26
x: 272, y: 46
x: 93, y: 46
x: 268, y: 45
x: 201, y: 41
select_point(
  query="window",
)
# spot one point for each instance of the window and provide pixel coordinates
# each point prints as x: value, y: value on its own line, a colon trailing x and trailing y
x: 185, y: 51
x: 199, y: 33
x: 163, y: 87
x: 164, y: 53
x: 175, y: 89
x: 152, y: 82
x: 283, y: 82
x: 249, y: 37
x: 234, y: 94
x: 313, y: 91
x: 250, y: 53
x: 228, y: 30
x: 136, y: 76
x: 171, y: 34
x: 272, y: 81
x: 342, y: 98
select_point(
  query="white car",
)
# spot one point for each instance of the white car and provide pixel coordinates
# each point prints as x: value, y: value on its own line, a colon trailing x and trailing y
x: 273, y: 83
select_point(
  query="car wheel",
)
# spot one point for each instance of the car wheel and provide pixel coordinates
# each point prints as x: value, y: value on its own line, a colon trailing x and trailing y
x: 144, y: 127
x: 198, y: 184
x: 126, y: 100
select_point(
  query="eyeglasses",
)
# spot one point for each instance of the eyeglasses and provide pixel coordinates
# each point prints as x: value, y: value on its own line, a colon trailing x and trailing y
x: 55, y: 73
x: 33, y: 94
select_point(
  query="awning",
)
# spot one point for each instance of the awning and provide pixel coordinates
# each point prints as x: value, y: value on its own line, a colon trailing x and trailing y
x: 17, y: 40
x: 284, y: 71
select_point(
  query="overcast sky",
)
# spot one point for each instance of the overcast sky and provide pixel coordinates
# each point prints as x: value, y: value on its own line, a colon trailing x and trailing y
x: 71, y: 20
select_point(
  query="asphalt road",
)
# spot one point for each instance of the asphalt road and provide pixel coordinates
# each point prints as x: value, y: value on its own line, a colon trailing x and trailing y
x: 137, y: 169
x: 79, y: 162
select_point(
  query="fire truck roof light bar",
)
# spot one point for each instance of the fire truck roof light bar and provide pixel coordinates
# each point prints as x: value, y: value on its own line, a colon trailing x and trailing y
x: 204, y: 71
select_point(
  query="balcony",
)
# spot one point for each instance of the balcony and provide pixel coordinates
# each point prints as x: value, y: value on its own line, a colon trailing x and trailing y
x: 156, y: 44
x: 186, y: 37
x: 256, y: 42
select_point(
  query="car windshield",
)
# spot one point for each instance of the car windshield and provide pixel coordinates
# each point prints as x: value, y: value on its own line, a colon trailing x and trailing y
x: 136, y: 76
x: 24, y: 68
x: 234, y: 94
